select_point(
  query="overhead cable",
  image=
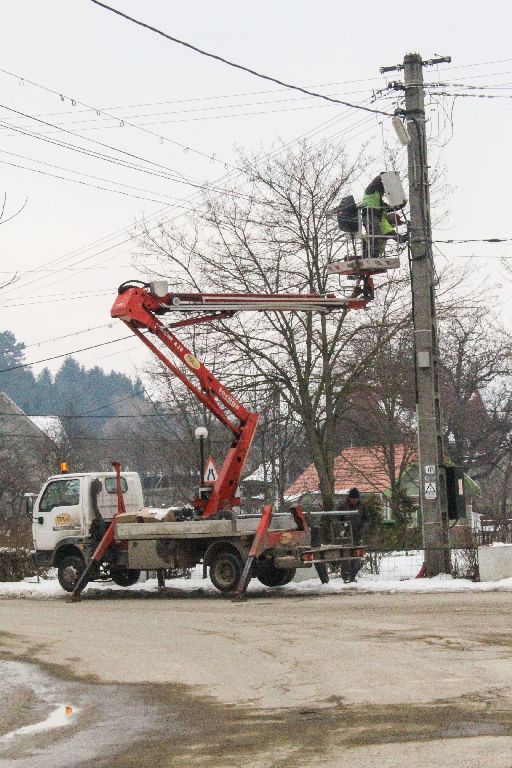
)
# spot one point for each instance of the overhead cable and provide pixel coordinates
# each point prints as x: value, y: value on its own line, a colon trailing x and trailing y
x: 68, y: 335
x: 64, y: 354
x: 122, y: 120
x: 476, y: 240
x: 234, y: 64
x: 93, y: 141
x: 473, y: 95
x: 83, y: 183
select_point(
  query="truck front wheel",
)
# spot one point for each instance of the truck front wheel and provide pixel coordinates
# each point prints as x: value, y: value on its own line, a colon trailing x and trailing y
x: 69, y: 571
x: 225, y: 570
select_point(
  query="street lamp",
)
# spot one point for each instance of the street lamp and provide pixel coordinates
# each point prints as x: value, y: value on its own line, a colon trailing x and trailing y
x: 201, y: 434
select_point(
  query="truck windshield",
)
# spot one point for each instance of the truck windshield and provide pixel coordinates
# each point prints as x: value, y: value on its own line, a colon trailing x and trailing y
x: 61, y: 493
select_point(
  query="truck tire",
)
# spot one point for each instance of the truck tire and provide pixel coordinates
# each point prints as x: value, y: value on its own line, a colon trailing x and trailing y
x: 69, y: 570
x: 225, y: 570
x: 124, y: 578
x: 271, y: 576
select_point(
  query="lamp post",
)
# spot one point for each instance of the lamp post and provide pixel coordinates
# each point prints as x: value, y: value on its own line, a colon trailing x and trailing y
x: 201, y: 434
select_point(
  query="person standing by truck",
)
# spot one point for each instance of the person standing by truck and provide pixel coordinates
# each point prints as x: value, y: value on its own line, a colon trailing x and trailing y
x: 360, y: 522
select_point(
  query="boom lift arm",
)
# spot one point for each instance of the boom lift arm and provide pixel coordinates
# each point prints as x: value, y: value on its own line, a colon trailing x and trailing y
x: 141, y: 307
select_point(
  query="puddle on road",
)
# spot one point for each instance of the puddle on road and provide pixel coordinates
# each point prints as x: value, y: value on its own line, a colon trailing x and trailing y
x: 163, y: 725
x: 36, y: 732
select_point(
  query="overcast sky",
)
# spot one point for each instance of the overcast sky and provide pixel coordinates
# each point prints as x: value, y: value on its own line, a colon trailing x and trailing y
x: 69, y: 241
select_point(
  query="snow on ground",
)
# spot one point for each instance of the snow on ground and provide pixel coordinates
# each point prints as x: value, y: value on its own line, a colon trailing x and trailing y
x: 397, y: 573
x: 62, y: 715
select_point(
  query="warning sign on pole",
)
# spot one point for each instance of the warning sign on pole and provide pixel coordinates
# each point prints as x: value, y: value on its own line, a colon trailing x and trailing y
x: 211, y: 473
x: 430, y: 490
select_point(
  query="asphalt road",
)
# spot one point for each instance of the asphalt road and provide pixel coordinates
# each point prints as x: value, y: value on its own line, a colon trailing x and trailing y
x: 369, y: 680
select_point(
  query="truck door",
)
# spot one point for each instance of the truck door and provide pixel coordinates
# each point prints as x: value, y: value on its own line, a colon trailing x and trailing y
x: 58, y: 513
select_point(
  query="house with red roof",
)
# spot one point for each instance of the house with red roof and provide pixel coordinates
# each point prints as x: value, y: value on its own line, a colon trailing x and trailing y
x: 369, y: 469
x: 366, y: 468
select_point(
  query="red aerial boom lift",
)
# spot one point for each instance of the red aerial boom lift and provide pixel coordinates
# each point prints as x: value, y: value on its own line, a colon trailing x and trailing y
x: 142, y: 308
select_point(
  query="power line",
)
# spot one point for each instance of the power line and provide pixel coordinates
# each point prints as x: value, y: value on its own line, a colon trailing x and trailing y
x: 470, y: 95
x: 476, y: 240
x: 43, y: 435
x: 113, y: 117
x: 35, y: 302
x: 235, y: 65
x: 485, y: 87
x: 91, y: 416
x: 106, y: 238
x: 98, y: 155
x: 80, y: 261
x: 107, y: 405
x: 103, y: 126
x: 64, y: 354
x: 68, y: 335
x: 90, y: 152
x: 82, y: 173
x: 478, y: 64
x: 158, y: 214
x: 199, y: 118
x: 103, y: 110
x: 81, y: 182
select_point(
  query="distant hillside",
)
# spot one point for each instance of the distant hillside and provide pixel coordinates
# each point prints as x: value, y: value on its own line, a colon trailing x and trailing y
x: 73, y: 390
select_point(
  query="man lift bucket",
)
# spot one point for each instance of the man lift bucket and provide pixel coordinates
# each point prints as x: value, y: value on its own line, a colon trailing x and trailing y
x: 370, y: 225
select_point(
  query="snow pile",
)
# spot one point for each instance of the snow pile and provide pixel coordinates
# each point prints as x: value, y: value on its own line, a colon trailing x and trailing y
x: 397, y: 571
x: 49, y: 589
x: 443, y: 583
x: 31, y: 588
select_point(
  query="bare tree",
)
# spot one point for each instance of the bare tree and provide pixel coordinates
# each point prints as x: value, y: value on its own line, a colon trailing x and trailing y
x: 274, y: 234
x: 381, y: 411
x: 3, y: 220
x: 477, y: 396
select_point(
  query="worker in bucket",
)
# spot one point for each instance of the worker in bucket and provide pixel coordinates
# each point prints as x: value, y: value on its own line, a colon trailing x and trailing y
x: 379, y: 220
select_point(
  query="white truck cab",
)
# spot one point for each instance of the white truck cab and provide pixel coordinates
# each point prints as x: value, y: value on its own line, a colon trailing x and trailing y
x: 67, y: 506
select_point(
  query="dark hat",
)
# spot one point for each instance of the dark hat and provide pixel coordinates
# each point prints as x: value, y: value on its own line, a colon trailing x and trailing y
x: 353, y: 494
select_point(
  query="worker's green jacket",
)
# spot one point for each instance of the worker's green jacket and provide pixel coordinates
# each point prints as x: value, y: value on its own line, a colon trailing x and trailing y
x: 374, y: 200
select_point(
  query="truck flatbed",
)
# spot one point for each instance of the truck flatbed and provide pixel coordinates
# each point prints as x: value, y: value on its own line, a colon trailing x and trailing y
x: 199, y: 529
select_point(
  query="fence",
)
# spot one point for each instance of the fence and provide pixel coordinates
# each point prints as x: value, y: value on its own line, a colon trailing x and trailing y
x: 491, y: 531
x: 402, y: 565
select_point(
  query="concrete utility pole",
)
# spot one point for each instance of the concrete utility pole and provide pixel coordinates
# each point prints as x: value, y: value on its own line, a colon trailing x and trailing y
x: 432, y: 476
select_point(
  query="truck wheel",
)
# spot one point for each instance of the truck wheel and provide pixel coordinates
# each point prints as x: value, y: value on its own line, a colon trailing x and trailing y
x: 124, y: 578
x: 225, y: 570
x: 69, y: 571
x: 271, y: 576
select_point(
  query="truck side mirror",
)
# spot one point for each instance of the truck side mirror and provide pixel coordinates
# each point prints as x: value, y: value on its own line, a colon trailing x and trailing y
x: 29, y: 505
